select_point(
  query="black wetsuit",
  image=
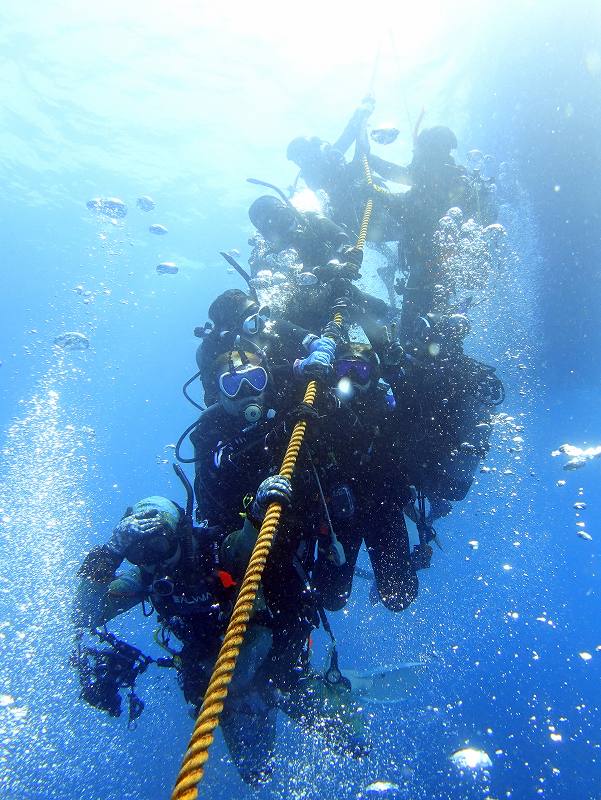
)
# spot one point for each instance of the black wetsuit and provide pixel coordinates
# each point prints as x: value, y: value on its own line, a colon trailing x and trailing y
x: 313, y: 306
x: 231, y: 463
x: 436, y: 188
x: 317, y: 239
x: 442, y: 421
x: 346, y: 186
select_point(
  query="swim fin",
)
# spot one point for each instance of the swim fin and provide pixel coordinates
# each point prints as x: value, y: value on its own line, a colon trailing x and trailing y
x: 387, y: 686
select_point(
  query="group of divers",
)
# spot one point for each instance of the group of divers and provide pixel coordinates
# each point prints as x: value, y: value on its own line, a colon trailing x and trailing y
x: 400, y: 422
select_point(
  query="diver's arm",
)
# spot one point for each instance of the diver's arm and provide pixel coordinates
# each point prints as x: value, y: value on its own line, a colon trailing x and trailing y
x: 389, y: 171
x: 372, y: 314
x: 326, y: 230
x: 291, y: 335
x: 353, y: 128
x: 297, y: 342
x: 95, y: 603
x: 126, y: 591
x: 95, y: 574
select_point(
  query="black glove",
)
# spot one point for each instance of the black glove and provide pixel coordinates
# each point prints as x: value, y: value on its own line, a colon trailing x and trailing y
x: 317, y: 365
x: 336, y: 268
x: 370, y: 191
x: 393, y: 354
x: 302, y: 411
x: 334, y: 331
x: 275, y: 489
x: 100, y: 564
x: 352, y: 255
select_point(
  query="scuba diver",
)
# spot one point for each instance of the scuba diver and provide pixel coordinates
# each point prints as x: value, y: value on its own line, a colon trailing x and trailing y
x: 437, y: 183
x: 306, y: 296
x: 444, y: 401
x: 314, y: 236
x: 238, y: 322
x: 182, y: 571
x: 239, y: 443
x: 324, y: 168
x: 443, y: 398
x: 176, y: 569
x: 363, y: 484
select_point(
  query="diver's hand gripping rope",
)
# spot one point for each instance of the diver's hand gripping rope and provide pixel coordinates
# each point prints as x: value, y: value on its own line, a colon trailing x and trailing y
x: 192, y: 769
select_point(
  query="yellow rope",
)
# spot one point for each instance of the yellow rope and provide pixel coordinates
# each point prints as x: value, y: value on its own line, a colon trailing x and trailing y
x: 365, y: 224
x: 368, y: 208
x: 192, y: 768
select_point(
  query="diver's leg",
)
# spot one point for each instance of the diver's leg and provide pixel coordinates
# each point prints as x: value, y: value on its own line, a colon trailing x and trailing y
x: 248, y: 719
x: 248, y: 722
x: 249, y: 731
x: 291, y: 604
x: 332, y: 583
x: 387, y: 542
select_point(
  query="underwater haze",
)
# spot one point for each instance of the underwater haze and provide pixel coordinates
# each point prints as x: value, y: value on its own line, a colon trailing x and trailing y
x: 181, y: 102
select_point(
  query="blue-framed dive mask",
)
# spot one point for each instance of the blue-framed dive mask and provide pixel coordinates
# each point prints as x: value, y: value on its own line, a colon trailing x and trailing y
x: 231, y: 382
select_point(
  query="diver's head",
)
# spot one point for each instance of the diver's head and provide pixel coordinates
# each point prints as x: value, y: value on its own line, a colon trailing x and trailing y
x: 317, y: 160
x: 304, y: 150
x: 273, y: 218
x: 229, y: 310
x: 435, y: 144
x: 357, y: 370
x: 160, y: 544
x: 241, y: 383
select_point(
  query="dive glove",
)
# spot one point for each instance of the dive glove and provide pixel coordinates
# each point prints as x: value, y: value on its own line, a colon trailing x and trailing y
x: 320, y: 344
x: 316, y: 365
x: 335, y: 331
x: 275, y: 489
x: 133, y: 529
x: 338, y: 268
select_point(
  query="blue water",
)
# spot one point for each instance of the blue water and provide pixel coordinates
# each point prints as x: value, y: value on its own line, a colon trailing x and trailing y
x: 183, y: 102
